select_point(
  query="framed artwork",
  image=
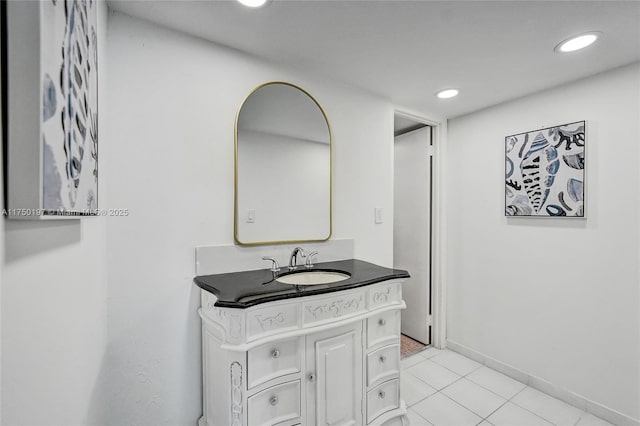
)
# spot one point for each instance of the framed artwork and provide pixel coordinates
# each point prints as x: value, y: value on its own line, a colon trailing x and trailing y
x: 545, y: 172
x: 52, y: 149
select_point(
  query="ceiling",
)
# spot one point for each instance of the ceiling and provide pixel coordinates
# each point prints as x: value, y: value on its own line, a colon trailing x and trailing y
x: 493, y: 51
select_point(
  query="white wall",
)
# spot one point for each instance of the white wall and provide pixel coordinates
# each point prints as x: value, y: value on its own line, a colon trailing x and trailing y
x: 53, y: 307
x: 169, y: 160
x: 556, y: 298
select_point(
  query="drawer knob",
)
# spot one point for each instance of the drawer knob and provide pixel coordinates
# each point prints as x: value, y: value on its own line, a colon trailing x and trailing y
x: 383, y: 359
x: 275, y: 353
x: 311, y: 377
x: 382, y: 321
x: 381, y: 394
x: 273, y: 400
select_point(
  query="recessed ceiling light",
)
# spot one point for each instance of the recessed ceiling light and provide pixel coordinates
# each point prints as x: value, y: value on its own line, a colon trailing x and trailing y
x: 577, y: 42
x: 253, y: 3
x: 447, y: 93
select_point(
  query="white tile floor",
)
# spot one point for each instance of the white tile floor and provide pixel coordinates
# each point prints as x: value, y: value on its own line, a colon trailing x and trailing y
x: 444, y: 388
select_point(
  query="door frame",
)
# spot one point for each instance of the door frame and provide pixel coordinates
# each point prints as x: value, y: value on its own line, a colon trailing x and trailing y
x: 438, y: 223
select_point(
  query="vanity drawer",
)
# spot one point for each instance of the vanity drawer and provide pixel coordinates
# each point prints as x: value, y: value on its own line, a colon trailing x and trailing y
x: 273, y: 360
x: 383, y: 328
x: 385, y: 294
x: 278, y: 404
x: 323, y: 310
x: 383, y: 398
x: 383, y: 364
x: 262, y: 322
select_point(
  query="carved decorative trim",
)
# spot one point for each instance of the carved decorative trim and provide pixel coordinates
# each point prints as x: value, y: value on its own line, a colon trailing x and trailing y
x: 381, y: 296
x: 220, y: 315
x: 236, y: 394
x: 337, y: 308
x: 209, y: 303
x: 235, y: 326
x: 267, y: 323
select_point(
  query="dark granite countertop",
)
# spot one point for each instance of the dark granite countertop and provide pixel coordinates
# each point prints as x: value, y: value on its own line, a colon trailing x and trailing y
x: 249, y: 288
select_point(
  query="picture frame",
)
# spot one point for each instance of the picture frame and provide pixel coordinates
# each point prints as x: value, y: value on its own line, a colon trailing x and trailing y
x: 50, y: 108
x: 545, y: 172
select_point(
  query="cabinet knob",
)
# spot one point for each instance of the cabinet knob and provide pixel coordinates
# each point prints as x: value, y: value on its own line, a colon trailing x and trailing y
x: 382, y: 321
x: 275, y: 353
x: 311, y: 377
x: 273, y: 400
x: 383, y: 358
x: 381, y: 394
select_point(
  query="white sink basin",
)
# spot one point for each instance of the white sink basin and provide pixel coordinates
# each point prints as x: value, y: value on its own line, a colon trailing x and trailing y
x: 312, y: 278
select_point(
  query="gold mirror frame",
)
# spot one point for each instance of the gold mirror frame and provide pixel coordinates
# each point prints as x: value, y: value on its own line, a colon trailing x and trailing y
x: 235, y: 174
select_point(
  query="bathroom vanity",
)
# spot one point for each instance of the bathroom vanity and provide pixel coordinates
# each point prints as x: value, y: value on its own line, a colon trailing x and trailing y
x: 286, y: 354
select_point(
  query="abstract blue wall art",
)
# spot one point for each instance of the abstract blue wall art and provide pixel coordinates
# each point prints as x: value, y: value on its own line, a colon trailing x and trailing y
x: 544, y: 172
x: 69, y: 126
x: 50, y: 106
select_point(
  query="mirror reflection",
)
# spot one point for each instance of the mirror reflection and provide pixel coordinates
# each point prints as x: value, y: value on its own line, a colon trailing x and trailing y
x: 283, y: 167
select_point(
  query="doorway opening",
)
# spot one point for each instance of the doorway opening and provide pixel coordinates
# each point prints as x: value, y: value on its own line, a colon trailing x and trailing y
x: 413, y: 227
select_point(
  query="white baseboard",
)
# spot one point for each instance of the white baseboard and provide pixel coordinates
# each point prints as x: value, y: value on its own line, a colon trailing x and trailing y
x: 571, y: 398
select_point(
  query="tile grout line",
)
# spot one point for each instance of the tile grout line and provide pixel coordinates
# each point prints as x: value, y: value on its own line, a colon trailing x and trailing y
x: 507, y: 400
x: 485, y: 388
x: 501, y: 405
x: 418, y: 414
x: 489, y: 390
x: 462, y: 376
x: 526, y: 409
x: 493, y: 412
x: 440, y: 390
x: 450, y: 384
x: 420, y: 380
x: 497, y: 394
x: 526, y: 385
x: 535, y: 414
x: 468, y: 409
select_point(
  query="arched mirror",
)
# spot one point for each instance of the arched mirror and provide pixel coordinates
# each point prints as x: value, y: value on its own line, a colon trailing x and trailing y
x: 283, y: 184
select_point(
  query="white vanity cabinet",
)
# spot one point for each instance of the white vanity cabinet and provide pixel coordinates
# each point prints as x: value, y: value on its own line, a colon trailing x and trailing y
x: 330, y: 359
x: 334, y: 376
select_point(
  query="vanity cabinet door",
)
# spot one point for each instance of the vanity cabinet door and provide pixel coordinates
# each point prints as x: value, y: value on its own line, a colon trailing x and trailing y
x: 334, y: 377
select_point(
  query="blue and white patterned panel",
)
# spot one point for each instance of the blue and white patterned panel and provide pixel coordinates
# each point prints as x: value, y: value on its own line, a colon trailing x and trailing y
x: 544, y: 173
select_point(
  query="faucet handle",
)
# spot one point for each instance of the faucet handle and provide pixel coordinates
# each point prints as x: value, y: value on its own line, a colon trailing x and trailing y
x: 308, y: 263
x: 274, y: 265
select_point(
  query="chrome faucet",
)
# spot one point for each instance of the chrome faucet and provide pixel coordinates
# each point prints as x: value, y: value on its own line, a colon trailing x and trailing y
x: 293, y: 260
x: 308, y: 263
